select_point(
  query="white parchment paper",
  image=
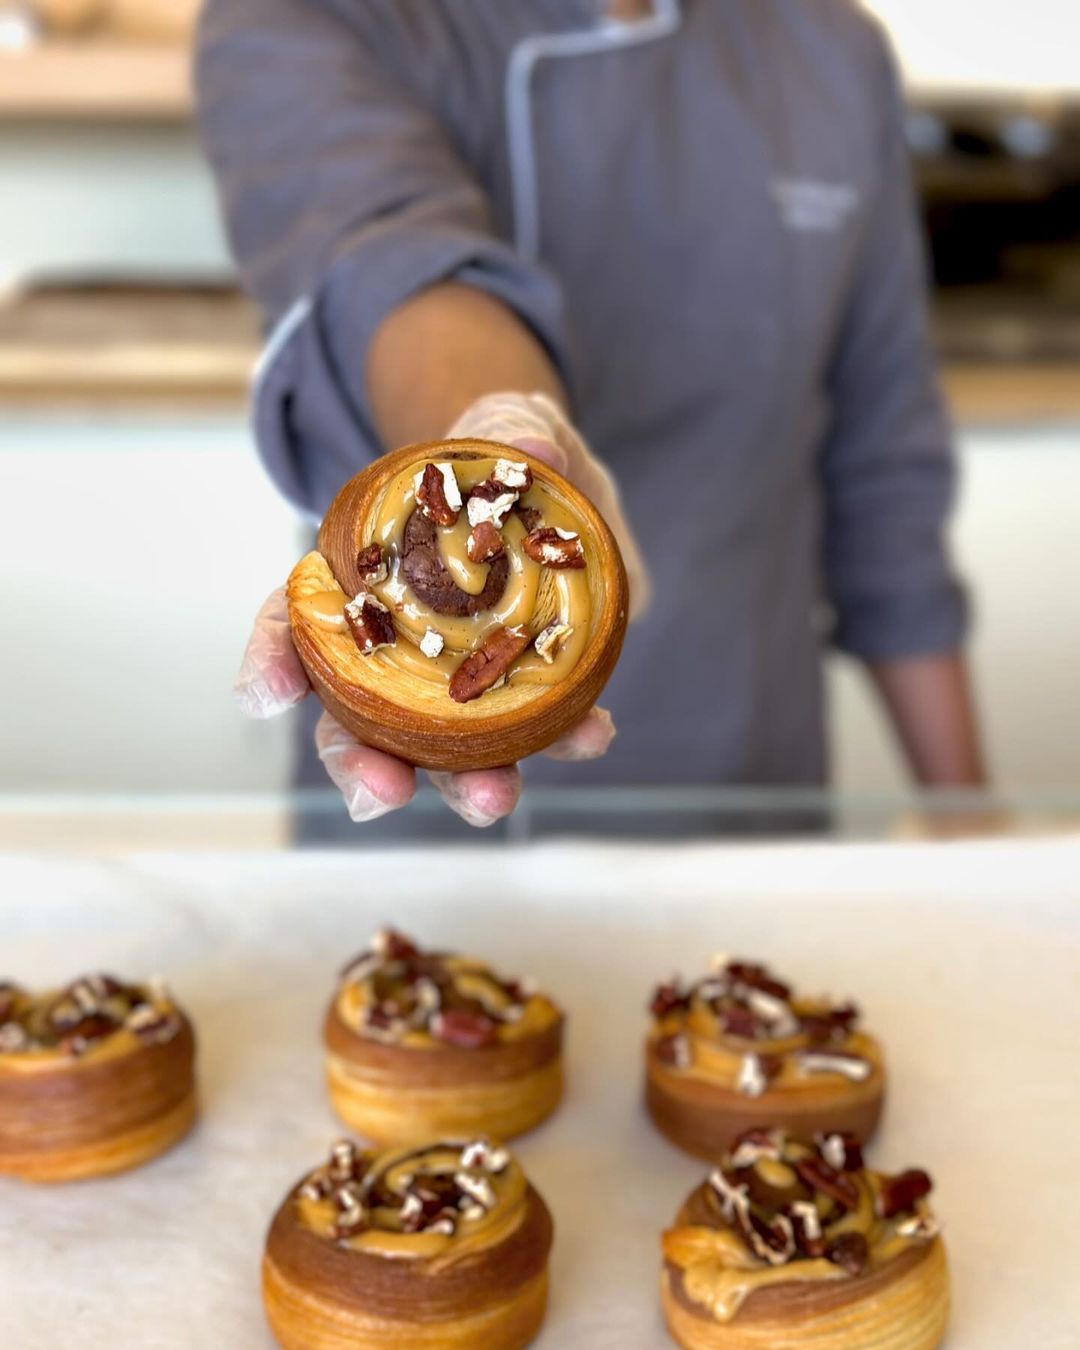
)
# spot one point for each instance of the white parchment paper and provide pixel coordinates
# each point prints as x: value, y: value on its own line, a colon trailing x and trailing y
x: 965, y: 958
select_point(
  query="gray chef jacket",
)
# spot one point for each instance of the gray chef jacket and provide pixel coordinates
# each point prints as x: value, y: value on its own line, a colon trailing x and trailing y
x: 707, y: 219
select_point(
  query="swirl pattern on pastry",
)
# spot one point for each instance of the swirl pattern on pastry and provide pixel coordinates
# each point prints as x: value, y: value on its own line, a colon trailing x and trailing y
x: 95, y: 1078
x: 441, y: 1244
x: 85, y: 1018
x: 780, y: 1217
x: 422, y: 1043
x: 741, y: 1044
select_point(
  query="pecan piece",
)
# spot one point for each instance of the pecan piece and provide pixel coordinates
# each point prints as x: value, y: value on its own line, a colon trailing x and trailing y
x: 668, y: 999
x: 485, y: 543
x: 488, y: 663
x: 819, y: 1176
x: 550, y: 642
x: 806, y: 1228
x: 758, y: 977
x: 489, y: 503
x: 512, y: 476
x: 437, y: 493
x: 559, y: 549
x: 469, y: 1031
x: 531, y: 518
x: 842, y: 1152
x: 850, y: 1252
x: 89, y: 1030
x: 370, y: 623
x: 899, y: 1194
x: 371, y: 564
x: 740, y: 1022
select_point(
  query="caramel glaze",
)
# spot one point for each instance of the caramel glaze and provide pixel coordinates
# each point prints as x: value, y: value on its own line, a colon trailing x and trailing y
x: 797, y: 1299
x: 70, y: 1103
x: 735, y: 1251
x: 406, y: 1288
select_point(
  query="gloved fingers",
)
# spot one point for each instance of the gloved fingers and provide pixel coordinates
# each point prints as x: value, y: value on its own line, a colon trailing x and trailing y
x: 372, y: 782
x: 271, y: 679
x: 588, y: 740
x: 480, y: 796
x: 589, y: 473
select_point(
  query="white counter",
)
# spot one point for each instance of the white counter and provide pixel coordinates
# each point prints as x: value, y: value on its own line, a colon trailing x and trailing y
x: 966, y: 959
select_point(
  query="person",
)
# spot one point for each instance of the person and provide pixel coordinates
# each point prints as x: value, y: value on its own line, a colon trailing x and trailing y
x: 677, y: 234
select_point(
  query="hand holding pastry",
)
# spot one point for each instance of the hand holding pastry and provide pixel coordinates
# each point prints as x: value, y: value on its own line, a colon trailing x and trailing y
x: 476, y: 629
x: 739, y: 1048
x: 791, y: 1244
x: 436, y: 1246
x: 425, y: 1043
x: 94, y: 1078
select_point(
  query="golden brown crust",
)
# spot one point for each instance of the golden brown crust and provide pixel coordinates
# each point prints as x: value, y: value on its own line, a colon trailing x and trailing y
x: 409, y: 1289
x: 704, y: 1118
x: 902, y: 1306
x: 301, y: 1322
x: 446, y: 735
x: 74, y: 1119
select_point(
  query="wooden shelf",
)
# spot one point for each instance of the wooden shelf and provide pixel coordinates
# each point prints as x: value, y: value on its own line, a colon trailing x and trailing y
x: 127, y: 346
x: 109, y: 81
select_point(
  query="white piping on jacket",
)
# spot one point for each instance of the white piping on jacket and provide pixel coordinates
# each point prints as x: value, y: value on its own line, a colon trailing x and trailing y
x: 606, y: 36
x: 283, y: 330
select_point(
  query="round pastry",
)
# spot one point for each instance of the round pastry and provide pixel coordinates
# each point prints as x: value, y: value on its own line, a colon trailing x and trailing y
x: 434, y: 1247
x: 739, y: 1048
x: 791, y: 1244
x: 95, y: 1078
x: 465, y: 607
x: 421, y: 1044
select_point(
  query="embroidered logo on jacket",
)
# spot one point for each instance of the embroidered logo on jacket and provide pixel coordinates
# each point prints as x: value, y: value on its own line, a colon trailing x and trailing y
x: 811, y: 206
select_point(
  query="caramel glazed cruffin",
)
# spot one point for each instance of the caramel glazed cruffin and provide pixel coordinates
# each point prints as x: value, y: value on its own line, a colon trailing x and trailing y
x: 436, y: 1247
x: 740, y: 1047
x: 422, y: 1044
x: 796, y: 1244
x: 95, y: 1078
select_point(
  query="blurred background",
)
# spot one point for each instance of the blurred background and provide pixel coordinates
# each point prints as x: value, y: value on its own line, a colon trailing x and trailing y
x: 138, y: 534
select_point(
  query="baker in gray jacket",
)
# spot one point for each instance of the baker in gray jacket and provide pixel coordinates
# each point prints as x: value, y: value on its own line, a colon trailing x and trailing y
x: 679, y: 234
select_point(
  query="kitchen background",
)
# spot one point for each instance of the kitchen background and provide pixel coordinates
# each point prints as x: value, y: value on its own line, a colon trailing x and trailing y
x: 137, y: 534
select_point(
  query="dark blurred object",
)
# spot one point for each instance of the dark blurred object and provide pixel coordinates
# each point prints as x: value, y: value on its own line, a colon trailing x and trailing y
x: 1000, y: 183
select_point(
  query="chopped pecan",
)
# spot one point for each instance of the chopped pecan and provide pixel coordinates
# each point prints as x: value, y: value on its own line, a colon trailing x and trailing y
x: 485, y: 543
x: 842, y: 1152
x: 668, y: 999
x: 512, y: 476
x: 469, y: 1031
x: 758, y: 977
x: 770, y: 1241
x: 819, y: 1176
x: 489, y: 503
x: 371, y: 564
x: 850, y: 1252
x: 833, y: 1026
x: 370, y: 623
x: 756, y: 1072
x: 900, y: 1194
x: 741, y: 1022
x: 550, y: 642
x: 530, y: 517
x: 487, y: 663
x: 559, y: 549
x: 437, y: 494
x: 806, y: 1227
x: 89, y: 1030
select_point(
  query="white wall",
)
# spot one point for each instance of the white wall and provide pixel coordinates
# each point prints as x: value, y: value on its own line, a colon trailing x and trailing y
x: 986, y: 44
x: 133, y: 554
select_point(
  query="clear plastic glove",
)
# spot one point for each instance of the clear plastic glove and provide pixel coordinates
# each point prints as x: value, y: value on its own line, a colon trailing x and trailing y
x: 372, y: 783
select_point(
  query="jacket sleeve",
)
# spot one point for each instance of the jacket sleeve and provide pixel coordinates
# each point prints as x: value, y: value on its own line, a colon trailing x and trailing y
x: 888, y: 468
x: 343, y: 196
